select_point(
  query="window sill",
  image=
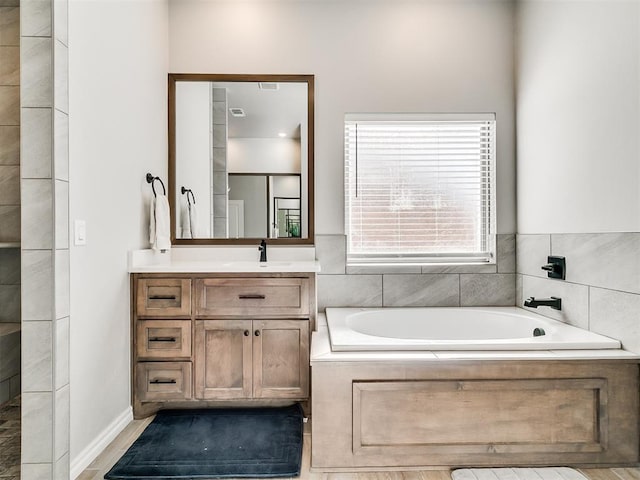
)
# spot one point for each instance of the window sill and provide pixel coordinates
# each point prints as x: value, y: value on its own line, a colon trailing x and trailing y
x: 363, y: 269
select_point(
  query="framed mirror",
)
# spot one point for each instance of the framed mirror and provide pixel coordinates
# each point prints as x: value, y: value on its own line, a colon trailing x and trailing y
x: 241, y: 158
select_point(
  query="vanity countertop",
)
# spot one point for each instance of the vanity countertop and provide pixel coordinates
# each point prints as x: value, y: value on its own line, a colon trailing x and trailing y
x: 224, y: 260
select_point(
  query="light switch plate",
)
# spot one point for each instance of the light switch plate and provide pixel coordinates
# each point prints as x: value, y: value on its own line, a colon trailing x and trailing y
x: 80, y: 232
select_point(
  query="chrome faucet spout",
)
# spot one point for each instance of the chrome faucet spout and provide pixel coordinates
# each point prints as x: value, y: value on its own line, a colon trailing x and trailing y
x: 553, y: 302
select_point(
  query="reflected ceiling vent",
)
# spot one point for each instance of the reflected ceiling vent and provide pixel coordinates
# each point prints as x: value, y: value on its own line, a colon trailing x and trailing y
x: 269, y: 86
x: 237, y: 112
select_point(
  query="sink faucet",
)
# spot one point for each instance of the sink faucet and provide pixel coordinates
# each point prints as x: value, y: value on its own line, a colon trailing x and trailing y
x: 553, y: 302
x: 263, y: 251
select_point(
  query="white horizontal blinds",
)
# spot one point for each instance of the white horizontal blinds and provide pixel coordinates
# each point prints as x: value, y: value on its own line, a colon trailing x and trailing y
x: 420, y: 190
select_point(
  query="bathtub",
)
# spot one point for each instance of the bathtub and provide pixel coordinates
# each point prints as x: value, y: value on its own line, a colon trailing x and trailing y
x: 453, y: 328
x: 452, y: 387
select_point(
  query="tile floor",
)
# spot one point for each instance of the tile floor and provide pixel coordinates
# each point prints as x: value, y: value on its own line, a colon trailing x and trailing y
x: 10, y: 440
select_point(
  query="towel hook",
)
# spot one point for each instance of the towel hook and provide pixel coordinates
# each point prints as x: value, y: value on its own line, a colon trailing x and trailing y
x: 151, y: 179
x: 188, y: 191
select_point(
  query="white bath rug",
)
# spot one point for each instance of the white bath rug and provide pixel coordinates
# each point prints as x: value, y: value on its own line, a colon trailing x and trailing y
x: 546, y: 473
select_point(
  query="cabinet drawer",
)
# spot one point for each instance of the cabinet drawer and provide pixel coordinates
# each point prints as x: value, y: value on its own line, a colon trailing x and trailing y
x: 158, y: 339
x: 252, y: 296
x: 164, y: 297
x: 163, y: 381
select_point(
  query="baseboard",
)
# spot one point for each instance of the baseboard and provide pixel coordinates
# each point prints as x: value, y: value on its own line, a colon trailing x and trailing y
x: 91, y: 452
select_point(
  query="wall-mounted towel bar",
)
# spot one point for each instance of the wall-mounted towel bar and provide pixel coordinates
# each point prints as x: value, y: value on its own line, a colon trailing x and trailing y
x: 151, y: 179
x: 188, y: 191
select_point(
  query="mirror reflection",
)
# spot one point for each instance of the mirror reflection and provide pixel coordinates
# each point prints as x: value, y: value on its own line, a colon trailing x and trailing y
x: 241, y: 159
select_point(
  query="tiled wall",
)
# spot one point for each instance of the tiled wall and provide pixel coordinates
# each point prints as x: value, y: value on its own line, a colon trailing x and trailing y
x: 450, y: 286
x: 45, y: 239
x: 9, y: 121
x: 9, y: 196
x: 602, y: 290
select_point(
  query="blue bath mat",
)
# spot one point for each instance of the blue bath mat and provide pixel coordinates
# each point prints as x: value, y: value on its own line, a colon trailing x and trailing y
x: 216, y: 443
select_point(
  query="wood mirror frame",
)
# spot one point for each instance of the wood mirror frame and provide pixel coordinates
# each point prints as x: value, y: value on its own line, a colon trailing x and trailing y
x: 172, y: 187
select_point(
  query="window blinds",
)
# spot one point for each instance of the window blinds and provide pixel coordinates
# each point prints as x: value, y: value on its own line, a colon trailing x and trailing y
x: 420, y: 190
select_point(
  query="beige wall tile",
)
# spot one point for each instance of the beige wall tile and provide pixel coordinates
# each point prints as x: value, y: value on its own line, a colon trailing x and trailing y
x: 349, y: 291
x: 62, y: 215
x: 62, y: 352
x: 36, y: 142
x: 10, y: 25
x: 37, y: 279
x: 607, y: 260
x: 36, y: 471
x: 62, y: 283
x: 37, y: 428
x: 9, y: 105
x: 37, y: 214
x: 37, y: 366
x: 62, y: 424
x: 617, y: 315
x: 10, y: 221
x: 10, y: 145
x: 421, y: 290
x: 9, y: 185
x: 61, y: 77
x: 531, y: 253
x: 331, y: 253
x: 35, y: 18
x: 35, y: 71
x: 506, y: 252
x: 61, y: 145
x: 61, y: 20
x: 497, y: 290
x: 9, y: 66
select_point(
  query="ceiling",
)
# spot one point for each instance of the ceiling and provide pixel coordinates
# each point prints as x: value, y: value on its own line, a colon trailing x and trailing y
x: 268, y: 112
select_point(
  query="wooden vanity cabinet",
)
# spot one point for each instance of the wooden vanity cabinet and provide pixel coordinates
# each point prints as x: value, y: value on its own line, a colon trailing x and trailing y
x: 252, y: 359
x: 202, y: 340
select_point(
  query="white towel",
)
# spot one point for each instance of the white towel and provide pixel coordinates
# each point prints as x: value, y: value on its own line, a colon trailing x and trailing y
x: 185, y: 222
x: 159, y: 224
x: 193, y: 220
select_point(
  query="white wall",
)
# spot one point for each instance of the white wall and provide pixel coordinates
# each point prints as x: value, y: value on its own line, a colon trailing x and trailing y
x: 118, y: 130
x: 373, y: 56
x: 578, y: 103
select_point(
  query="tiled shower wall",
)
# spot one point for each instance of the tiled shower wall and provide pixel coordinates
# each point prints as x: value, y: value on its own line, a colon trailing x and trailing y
x: 602, y: 290
x: 45, y: 239
x: 434, y: 286
x: 9, y: 195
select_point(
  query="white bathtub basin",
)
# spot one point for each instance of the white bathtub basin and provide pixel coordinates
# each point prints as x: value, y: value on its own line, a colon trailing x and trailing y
x: 454, y: 328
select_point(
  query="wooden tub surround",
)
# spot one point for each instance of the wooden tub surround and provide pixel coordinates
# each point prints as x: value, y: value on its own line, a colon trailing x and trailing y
x: 412, y: 411
x: 203, y: 340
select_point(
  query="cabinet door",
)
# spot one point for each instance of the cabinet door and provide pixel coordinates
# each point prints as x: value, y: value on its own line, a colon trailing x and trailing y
x: 280, y: 358
x: 223, y: 359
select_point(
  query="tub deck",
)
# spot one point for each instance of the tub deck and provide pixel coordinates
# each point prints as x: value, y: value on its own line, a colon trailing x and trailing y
x: 403, y: 410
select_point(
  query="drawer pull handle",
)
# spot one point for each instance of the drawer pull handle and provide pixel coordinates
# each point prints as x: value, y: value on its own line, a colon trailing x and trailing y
x: 257, y: 333
x: 163, y: 381
x: 246, y: 333
x: 162, y: 339
x: 252, y: 296
x: 162, y: 297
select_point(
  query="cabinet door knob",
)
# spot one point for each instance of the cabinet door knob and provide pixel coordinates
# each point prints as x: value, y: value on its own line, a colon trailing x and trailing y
x: 257, y: 333
x: 246, y: 333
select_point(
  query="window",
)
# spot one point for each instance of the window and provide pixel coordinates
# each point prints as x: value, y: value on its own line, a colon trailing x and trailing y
x: 420, y: 188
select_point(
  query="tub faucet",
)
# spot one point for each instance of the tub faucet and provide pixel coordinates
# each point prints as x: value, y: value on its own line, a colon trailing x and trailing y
x: 553, y: 302
x: 263, y: 251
